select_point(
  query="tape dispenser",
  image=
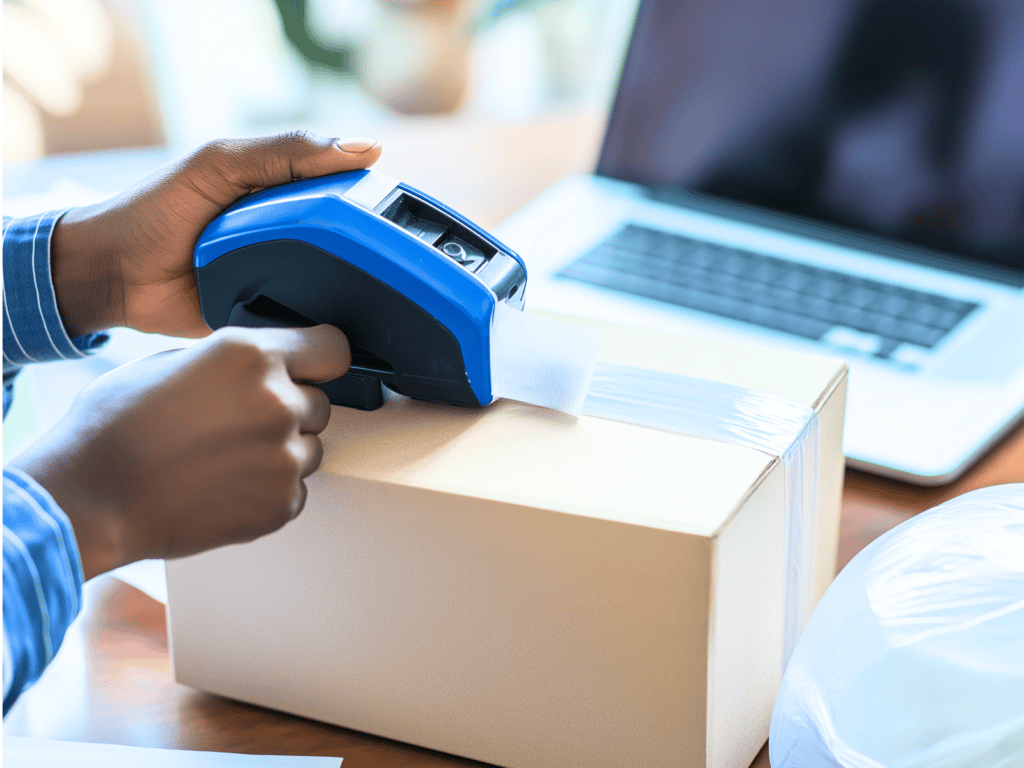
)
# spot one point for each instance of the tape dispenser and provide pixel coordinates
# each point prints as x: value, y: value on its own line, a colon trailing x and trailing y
x: 411, y: 283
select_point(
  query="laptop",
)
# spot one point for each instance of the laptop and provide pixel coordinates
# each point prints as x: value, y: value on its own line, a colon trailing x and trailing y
x: 843, y: 177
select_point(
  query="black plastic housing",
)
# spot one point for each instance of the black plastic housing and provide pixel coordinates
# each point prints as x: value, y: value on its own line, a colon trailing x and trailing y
x: 292, y: 283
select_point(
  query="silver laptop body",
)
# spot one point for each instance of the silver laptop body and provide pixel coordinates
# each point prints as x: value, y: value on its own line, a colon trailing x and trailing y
x: 842, y: 177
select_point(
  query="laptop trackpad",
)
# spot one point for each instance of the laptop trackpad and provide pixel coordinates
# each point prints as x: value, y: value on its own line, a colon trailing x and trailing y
x: 989, y: 351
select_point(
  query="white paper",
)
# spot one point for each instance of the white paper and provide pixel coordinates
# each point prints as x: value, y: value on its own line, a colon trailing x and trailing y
x: 43, y: 753
x: 148, y: 576
x: 541, y: 361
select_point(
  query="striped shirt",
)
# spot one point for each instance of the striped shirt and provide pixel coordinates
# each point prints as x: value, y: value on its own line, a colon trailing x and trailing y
x: 42, y: 567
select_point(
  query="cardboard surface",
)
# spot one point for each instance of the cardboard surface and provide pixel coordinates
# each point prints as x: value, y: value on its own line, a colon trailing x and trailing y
x: 523, y: 588
x: 522, y: 454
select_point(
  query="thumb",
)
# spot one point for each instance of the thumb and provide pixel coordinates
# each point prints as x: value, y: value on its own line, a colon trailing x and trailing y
x: 247, y: 165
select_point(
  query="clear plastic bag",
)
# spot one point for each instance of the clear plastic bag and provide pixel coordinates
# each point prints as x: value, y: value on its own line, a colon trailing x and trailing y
x: 915, y: 655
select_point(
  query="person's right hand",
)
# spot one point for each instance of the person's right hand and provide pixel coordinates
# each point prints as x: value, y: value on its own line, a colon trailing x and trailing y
x: 191, y: 449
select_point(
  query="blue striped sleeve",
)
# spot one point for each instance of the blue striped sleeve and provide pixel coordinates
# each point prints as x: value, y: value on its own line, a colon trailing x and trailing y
x: 42, y: 567
x: 32, y: 328
x: 42, y: 581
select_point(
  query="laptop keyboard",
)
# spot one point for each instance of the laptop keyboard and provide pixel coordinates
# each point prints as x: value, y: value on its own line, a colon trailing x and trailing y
x: 821, y: 304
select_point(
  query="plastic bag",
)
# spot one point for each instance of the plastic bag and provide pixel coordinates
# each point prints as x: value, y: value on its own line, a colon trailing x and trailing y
x: 915, y: 655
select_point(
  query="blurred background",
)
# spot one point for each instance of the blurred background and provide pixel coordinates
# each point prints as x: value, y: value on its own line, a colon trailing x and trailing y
x: 84, y: 75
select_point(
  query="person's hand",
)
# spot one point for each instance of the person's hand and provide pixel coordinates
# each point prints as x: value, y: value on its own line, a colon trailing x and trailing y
x: 128, y: 261
x: 191, y: 449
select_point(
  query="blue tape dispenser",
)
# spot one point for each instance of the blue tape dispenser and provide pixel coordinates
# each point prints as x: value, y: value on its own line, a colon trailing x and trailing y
x: 412, y: 283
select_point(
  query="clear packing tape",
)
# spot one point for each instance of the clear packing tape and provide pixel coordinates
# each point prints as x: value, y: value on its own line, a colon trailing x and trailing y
x: 915, y: 656
x: 544, y: 362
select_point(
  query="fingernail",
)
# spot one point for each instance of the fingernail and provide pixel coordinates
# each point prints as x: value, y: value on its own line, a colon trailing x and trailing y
x: 355, y: 146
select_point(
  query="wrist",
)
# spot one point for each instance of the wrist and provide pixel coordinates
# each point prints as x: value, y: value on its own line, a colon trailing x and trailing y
x: 83, y: 266
x: 54, y: 462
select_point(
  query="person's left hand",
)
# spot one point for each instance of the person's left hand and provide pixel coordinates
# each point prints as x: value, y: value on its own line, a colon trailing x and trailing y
x: 128, y: 261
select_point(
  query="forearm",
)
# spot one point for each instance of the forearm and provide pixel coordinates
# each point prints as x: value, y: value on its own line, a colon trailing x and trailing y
x: 42, y: 581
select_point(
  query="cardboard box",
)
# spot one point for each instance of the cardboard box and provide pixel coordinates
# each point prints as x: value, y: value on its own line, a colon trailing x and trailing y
x: 519, y: 587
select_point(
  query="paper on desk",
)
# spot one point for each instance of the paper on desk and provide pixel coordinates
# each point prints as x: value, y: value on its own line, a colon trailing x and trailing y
x: 149, y: 576
x: 42, y: 753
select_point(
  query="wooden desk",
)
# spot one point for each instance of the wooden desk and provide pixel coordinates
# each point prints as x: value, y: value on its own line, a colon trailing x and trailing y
x: 111, y: 681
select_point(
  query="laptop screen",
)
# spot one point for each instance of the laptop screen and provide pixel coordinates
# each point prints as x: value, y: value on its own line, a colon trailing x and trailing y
x: 900, y: 119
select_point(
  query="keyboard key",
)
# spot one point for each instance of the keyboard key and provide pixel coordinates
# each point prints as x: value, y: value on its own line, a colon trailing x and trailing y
x: 847, y: 338
x: 827, y: 288
x: 946, y: 319
x: 765, y: 272
x: 862, y: 297
x: 794, y: 280
x: 922, y: 335
x: 817, y: 306
x: 886, y: 347
x: 884, y: 325
x: 927, y: 314
x: 808, y: 327
x: 782, y: 299
x: 894, y: 304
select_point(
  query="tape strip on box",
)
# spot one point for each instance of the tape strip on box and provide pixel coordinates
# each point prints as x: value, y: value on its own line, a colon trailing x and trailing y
x: 552, y: 364
x: 731, y: 414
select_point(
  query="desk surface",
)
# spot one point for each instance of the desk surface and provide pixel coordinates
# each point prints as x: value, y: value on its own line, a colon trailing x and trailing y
x: 111, y: 681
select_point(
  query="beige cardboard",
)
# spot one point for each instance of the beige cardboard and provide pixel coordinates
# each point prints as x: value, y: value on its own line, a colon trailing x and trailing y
x: 523, y: 588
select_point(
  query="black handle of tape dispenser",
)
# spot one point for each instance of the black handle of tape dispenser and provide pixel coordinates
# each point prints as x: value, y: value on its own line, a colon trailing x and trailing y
x: 358, y: 388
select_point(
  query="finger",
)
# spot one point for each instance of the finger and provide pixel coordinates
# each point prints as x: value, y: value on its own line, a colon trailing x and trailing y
x: 251, y: 164
x: 316, y: 354
x: 300, y: 499
x: 343, y: 155
x: 316, y: 412
x: 308, y: 452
